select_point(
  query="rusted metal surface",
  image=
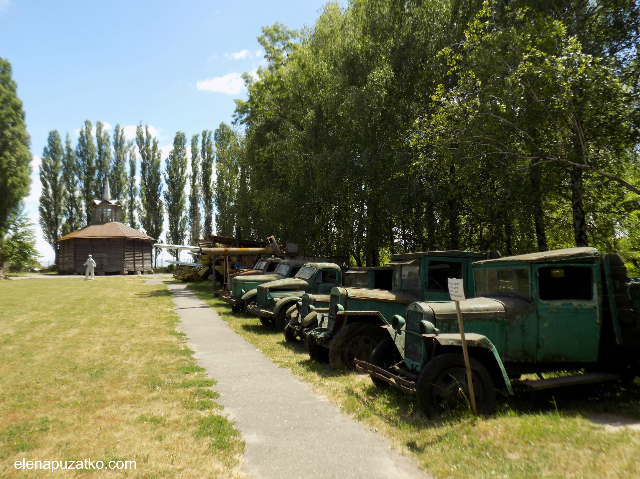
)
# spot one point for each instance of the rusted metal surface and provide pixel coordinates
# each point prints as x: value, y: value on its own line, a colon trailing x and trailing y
x: 563, y: 381
x: 382, y: 295
x: 546, y: 256
x: 398, y: 382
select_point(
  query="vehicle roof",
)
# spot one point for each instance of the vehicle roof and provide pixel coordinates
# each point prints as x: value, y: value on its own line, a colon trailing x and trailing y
x: 323, y: 265
x: 404, y: 258
x: 294, y: 262
x: 544, y: 256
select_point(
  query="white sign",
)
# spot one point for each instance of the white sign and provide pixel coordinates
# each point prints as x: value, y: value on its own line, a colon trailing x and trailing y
x: 456, y: 289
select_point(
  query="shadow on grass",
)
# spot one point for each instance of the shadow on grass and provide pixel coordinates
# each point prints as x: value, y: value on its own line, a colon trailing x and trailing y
x: 158, y: 293
x: 610, y: 398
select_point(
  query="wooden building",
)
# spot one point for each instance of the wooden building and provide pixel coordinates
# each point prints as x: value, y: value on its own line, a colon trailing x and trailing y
x: 115, y: 247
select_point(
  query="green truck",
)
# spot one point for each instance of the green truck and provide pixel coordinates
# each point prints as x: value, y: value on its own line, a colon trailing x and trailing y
x: 566, y: 310
x: 352, y: 326
x: 271, y: 301
x: 242, y: 284
x: 300, y: 322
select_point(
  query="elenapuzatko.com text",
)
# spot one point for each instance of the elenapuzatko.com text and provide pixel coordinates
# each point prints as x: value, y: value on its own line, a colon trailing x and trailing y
x: 87, y: 464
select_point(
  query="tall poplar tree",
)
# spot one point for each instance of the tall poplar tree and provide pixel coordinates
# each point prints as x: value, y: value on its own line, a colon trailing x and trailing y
x: 103, y: 158
x: 15, y: 157
x: 152, y: 208
x: 118, y: 173
x: 52, y: 196
x: 195, y: 221
x: 175, y: 177
x: 72, y: 202
x: 207, y: 156
x: 87, y: 170
x: 132, y: 204
x: 227, y: 162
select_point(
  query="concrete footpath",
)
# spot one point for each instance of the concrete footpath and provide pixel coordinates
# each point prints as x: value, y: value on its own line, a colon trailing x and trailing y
x: 288, y: 430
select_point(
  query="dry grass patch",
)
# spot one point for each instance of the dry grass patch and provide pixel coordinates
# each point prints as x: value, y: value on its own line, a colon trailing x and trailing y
x: 531, y: 436
x: 98, y: 370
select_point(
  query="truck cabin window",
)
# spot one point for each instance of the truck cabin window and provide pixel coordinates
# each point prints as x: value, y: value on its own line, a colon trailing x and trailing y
x: 565, y: 283
x: 306, y: 272
x: 327, y: 276
x: 283, y: 269
x: 502, y: 281
x: 410, y: 277
x: 439, y: 274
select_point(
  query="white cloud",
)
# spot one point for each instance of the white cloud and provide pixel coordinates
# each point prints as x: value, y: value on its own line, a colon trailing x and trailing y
x: 130, y: 131
x: 241, y: 55
x: 231, y: 84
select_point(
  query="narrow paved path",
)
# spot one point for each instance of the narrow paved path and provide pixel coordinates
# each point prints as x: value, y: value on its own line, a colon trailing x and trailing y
x: 289, y: 431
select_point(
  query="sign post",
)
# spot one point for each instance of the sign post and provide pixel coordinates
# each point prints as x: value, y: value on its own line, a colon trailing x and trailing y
x: 456, y: 291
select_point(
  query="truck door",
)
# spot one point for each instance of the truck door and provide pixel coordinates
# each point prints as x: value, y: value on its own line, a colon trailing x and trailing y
x: 568, y: 312
x: 324, y: 280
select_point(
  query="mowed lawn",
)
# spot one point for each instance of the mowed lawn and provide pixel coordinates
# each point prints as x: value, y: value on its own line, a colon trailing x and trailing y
x: 534, y: 435
x: 99, y: 371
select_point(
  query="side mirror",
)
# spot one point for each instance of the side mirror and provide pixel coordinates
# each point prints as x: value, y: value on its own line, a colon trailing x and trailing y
x: 397, y: 322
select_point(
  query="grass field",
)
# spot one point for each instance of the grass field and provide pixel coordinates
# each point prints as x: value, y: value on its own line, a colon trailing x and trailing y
x: 531, y: 436
x: 98, y: 370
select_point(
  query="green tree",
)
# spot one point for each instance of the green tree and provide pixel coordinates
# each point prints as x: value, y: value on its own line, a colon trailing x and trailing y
x: 118, y: 173
x: 132, y: 204
x: 194, y: 217
x: 175, y: 178
x: 103, y: 158
x: 227, y: 178
x: 152, y: 207
x: 20, y: 241
x: 15, y: 157
x: 72, y: 202
x: 206, y: 183
x: 87, y: 171
x: 52, y: 196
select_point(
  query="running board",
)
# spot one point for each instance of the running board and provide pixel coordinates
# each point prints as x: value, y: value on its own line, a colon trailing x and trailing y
x: 403, y: 384
x: 578, y: 379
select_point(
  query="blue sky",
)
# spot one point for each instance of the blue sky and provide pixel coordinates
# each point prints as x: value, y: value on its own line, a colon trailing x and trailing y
x: 172, y: 65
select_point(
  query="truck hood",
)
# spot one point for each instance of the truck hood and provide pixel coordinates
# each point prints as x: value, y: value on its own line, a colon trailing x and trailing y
x: 382, y: 295
x: 285, y: 284
x: 257, y: 277
x: 481, y: 308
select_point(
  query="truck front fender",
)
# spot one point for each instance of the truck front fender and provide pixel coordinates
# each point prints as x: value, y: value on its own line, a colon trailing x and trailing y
x: 284, y: 304
x: 473, y: 341
x: 249, y: 295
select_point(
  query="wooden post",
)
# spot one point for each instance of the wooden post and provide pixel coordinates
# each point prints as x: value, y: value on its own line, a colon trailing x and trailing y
x: 456, y: 290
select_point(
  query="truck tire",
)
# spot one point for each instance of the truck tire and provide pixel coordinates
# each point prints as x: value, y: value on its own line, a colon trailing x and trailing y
x: 281, y: 319
x: 354, y: 341
x: 316, y: 352
x: 384, y: 355
x: 442, y: 386
x: 236, y: 308
x: 268, y: 322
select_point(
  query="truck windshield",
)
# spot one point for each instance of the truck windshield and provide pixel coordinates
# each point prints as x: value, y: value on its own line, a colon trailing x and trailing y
x: 260, y: 265
x: 283, y: 269
x: 505, y: 281
x: 306, y: 272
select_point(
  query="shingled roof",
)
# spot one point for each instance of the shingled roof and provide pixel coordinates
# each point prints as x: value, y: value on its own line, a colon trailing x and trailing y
x: 107, y: 230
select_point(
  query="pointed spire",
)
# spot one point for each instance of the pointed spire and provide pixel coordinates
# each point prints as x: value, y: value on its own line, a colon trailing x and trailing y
x: 106, y: 196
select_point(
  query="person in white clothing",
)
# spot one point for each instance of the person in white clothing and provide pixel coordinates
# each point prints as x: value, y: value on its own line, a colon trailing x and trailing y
x: 90, y: 264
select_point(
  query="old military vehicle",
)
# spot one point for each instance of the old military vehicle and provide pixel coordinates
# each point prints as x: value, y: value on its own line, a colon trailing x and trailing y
x: 270, y: 301
x: 352, y: 327
x: 300, y: 320
x: 244, y: 283
x: 564, y: 310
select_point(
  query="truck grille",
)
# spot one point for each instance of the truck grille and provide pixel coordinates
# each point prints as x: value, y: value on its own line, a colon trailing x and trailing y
x: 261, y: 297
x: 333, y: 305
x: 413, y: 341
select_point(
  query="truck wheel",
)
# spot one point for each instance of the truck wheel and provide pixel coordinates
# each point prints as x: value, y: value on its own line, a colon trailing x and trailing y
x: 281, y: 320
x: 354, y: 341
x: 236, y: 308
x: 316, y: 352
x: 289, y: 335
x: 384, y: 355
x: 268, y: 322
x: 443, y: 390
